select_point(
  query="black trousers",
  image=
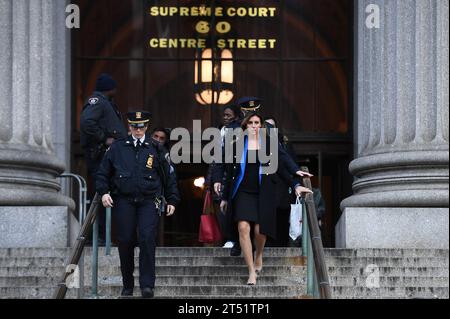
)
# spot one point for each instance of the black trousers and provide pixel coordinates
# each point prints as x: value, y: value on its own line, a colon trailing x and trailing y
x: 141, y: 216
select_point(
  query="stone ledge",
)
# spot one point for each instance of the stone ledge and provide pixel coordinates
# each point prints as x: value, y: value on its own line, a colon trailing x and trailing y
x: 42, y: 226
x: 369, y: 227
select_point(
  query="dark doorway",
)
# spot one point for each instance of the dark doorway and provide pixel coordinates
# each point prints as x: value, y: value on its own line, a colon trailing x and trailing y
x: 305, y: 82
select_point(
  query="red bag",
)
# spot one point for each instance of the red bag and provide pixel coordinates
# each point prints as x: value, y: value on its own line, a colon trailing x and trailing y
x: 209, y: 231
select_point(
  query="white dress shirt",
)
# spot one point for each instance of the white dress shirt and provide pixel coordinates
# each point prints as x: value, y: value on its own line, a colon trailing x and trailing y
x: 142, y: 139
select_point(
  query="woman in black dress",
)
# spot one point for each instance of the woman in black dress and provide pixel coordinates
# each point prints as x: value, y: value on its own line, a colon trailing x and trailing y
x: 252, y: 193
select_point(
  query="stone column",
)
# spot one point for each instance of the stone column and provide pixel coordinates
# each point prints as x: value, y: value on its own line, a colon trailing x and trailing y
x: 32, y: 34
x: 401, y: 168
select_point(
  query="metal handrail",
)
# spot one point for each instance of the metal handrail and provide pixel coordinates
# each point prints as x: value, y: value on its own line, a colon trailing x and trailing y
x: 317, y: 274
x: 94, y: 264
x: 77, y: 253
x: 82, y: 193
x: 318, y: 283
x: 82, y: 196
x: 77, y: 250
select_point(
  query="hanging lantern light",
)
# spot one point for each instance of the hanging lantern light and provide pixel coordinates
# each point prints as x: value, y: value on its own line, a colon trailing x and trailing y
x: 213, y: 82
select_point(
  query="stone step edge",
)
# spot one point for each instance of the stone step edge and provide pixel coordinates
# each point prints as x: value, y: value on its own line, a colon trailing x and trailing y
x: 236, y: 286
x: 331, y: 258
x: 357, y: 267
x: 237, y: 276
x: 244, y: 285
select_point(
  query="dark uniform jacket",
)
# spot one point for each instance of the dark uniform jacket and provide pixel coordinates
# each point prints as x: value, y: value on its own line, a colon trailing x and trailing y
x: 100, y: 120
x: 134, y: 174
x: 285, y: 194
x: 267, y: 191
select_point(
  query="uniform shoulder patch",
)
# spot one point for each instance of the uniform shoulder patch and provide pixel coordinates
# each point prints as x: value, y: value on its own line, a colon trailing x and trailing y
x: 93, y: 100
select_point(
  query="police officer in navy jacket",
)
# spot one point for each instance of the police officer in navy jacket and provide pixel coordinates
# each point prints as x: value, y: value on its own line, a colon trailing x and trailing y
x: 100, y: 124
x: 134, y: 173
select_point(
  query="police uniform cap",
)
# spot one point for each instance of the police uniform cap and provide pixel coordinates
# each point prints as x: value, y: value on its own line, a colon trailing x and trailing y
x: 249, y: 103
x: 138, y: 119
x: 105, y: 83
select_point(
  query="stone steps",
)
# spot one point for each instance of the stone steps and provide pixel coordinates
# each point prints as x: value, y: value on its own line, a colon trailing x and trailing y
x: 381, y: 262
x: 160, y: 261
x: 163, y: 252
x: 217, y: 251
x: 385, y: 252
x: 296, y: 261
x: 239, y: 291
x: 18, y: 292
x: 389, y: 271
x: 391, y: 281
x: 387, y: 261
x: 42, y: 281
x: 235, y: 271
x: 242, y: 269
x: 205, y: 291
x: 341, y: 281
x: 164, y: 270
x: 390, y: 292
x: 211, y: 273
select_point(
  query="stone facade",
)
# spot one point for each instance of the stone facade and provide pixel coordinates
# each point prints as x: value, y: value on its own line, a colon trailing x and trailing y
x: 402, y: 156
x: 33, y: 69
x: 401, y: 123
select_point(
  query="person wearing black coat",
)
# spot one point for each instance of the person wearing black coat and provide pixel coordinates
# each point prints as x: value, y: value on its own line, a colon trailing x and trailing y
x: 134, y: 175
x: 230, y: 120
x: 248, y: 193
x: 100, y: 124
x: 284, y: 194
x: 248, y: 105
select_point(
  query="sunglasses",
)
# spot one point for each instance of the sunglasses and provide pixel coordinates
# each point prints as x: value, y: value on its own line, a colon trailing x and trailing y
x: 139, y: 127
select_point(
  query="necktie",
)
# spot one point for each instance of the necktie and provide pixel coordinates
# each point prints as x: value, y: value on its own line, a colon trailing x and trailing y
x: 138, y: 144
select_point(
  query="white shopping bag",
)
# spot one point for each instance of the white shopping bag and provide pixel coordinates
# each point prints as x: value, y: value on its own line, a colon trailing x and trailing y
x: 295, y: 220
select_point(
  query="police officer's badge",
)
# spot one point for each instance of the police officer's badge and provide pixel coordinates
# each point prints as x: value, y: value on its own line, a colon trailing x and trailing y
x: 138, y: 115
x: 150, y: 161
x: 93, y: 101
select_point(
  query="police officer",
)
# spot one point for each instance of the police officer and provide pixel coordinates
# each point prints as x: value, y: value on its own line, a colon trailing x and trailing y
x: 249, y: 104
x: 134, y: 173
x: 100, y: 123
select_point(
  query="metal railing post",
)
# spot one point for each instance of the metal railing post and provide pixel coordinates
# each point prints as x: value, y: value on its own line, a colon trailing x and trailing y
x: 315, y: 238
x: 82, y: 191
x: 77, y: 249
x: 108, y: 232
x: 316, y: 287
x: 310, y: 259
x: 94, y: 264
x: 304, y: 229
